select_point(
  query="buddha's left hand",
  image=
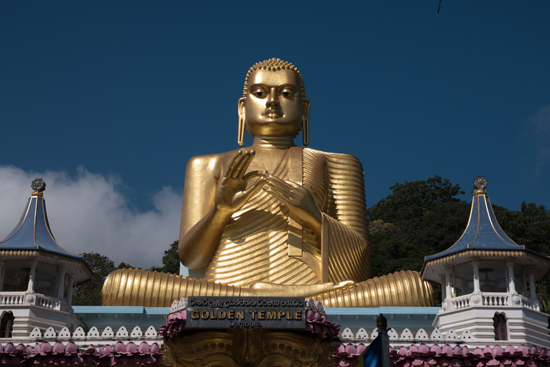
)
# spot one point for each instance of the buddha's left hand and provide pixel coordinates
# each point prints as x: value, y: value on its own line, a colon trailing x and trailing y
x: 299, y: 201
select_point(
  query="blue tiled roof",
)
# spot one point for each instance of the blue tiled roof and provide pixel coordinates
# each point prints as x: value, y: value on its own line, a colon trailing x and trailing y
x: 482, y: 233
x: 33, y: 232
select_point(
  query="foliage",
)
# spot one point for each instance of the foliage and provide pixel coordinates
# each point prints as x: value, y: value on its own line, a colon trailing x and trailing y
x: 419, y: 218
x: 529, y: 226
x: 123, y: 265
x: 89, y: 293
x: 422, y: 218
x: 170, y: 260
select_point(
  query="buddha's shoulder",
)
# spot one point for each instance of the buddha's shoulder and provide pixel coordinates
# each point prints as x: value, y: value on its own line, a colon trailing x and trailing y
x: 333, y: 157
x: 211, y: 162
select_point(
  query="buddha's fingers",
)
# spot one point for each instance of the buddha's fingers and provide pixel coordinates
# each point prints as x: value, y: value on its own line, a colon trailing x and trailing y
x: 247, y: 159
x: 239, y: 164
x: 270, y: 189
x: 286, y: 184
x: 243, y: 196
x: 251, y: 175
x: 236, y: 159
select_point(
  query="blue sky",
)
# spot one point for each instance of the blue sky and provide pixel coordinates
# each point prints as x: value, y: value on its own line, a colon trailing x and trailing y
x: 125, y: 92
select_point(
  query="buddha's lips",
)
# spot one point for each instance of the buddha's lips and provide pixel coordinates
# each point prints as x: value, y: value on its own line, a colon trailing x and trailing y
x: 272, y: 113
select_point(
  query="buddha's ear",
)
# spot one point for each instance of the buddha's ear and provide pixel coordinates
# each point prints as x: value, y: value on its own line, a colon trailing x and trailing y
x: 242, y: 102
x: 242, y: 122
x: 305, y: 108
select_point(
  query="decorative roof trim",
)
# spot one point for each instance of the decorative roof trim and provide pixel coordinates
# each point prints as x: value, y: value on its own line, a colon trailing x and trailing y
x: 483, y: 233
x: 486, y: 253
x: 42, y: 253
x: 38, y: 220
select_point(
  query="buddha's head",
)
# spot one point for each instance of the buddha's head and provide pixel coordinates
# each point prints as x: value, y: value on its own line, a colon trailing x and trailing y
x: 274, y: 101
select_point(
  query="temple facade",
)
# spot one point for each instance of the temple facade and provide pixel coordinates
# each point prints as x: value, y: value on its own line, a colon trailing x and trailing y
x: 37, y: 275
x: 490, y: 314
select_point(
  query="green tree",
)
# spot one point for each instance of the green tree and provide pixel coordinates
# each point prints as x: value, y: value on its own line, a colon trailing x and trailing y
x: 123, y: 265
x: 529, y: 226
x: 89, y: 293
x: 170, y: 260
x: 417, y: 219
x: 422, y: 218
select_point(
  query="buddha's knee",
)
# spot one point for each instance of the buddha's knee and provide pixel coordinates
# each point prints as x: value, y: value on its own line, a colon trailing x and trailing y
x: 404, y: 288
x: 138, y: 287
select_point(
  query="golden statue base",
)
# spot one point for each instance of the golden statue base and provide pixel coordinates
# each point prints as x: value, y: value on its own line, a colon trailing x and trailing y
x: 247, y: 348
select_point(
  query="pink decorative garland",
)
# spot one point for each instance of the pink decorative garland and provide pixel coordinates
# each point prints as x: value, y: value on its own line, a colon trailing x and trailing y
x: 447, y: 356
x: 44, y: 353
x: 175, y: 322
x: 318, y: 323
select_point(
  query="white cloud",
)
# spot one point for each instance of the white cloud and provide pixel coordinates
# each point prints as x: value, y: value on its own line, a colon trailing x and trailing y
x: 89, y: 212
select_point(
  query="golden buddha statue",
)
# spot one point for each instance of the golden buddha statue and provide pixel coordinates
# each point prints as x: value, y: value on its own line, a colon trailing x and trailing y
x: 273, y: 219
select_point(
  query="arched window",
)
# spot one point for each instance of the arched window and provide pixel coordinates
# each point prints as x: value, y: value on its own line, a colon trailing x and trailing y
x: 6, y: 325
x: 499, y: 324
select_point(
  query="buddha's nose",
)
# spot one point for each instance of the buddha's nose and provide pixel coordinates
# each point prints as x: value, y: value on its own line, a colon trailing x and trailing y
x: 272, y: 100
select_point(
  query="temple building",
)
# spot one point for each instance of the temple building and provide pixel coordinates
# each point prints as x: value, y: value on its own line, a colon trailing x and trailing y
x: 37, y: 275
x: 489, y: 316
x: 488, y: 282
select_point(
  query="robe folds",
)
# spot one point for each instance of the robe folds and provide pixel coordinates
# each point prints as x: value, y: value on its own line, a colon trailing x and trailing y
x: 263, y: 244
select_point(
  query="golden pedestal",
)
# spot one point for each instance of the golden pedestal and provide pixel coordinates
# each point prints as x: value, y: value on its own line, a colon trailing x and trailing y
x: 247, y: 348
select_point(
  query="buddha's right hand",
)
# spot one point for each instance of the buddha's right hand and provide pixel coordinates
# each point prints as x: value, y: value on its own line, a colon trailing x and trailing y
x: 231, y: 192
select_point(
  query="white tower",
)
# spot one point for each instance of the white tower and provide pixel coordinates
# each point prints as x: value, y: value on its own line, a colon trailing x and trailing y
x: 37, y: 275
x: 488, y: 282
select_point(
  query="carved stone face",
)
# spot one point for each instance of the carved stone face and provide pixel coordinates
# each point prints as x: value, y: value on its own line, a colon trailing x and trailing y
x: 273, y: 105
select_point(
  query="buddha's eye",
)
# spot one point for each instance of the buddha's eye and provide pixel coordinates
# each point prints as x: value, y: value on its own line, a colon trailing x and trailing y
x: 259, y: 93
x: 286, y: 93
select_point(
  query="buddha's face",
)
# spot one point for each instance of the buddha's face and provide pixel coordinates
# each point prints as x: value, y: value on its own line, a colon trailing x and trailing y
x: 273, y: 105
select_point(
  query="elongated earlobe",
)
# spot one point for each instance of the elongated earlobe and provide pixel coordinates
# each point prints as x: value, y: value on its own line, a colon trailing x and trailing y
x: 305, y: 121
x: 242, y: 122
x: 305, y: 130
x: 240, y: 138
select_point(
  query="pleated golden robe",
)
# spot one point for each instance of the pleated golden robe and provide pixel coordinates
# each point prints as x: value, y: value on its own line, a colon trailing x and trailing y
x: 262, y: 244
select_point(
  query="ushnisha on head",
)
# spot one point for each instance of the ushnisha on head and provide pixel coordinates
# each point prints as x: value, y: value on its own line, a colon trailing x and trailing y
x: 274, y: 102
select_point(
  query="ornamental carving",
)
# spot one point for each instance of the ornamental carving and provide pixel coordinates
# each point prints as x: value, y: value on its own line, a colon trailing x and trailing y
x: 246, y: 348
x: 38, y: 184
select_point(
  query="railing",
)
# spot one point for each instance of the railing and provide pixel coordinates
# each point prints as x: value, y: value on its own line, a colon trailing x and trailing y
x: 529, y: 303
x: 30, y: 299
x: 12, y: 298
x: 492, y: 299
x: 495, y: 299
x: 461, y: 302
x: 47, y: 302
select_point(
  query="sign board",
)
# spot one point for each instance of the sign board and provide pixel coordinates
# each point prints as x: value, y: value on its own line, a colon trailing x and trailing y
x: 246, y: 312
